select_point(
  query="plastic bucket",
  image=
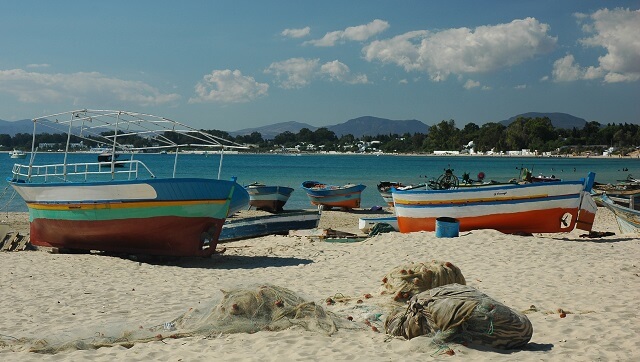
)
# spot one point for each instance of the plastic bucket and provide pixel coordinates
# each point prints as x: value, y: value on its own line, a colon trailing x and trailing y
x: 447, y: 227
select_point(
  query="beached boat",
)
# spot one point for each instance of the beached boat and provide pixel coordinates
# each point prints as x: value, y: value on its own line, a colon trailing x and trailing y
x: 544, y: 207
x: 328, y: 196
x: 268, y: 198
x: 276, y: 224
x: 86, y: 206
x: 17, y: 154
x: 628, y: 219
x: 385, y: 188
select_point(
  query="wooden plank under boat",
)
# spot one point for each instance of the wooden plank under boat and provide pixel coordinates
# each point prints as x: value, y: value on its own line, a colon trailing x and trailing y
x: 544, y: 207
x: 329, y: 196
x: 276, y: 224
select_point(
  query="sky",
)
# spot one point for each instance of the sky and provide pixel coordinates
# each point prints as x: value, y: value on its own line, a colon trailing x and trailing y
x: 232, y: 65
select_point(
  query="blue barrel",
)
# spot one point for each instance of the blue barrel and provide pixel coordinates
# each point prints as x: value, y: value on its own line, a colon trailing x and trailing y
x: 447, y: 227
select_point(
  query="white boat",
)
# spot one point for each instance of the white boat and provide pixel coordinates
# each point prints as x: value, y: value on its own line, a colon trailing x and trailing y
x: 628, y: 219
x: 540, y: 207
x: 268, y: 198
x: 17, y: 154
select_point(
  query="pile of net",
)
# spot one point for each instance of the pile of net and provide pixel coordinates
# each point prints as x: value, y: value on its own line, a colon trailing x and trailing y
x: 407, y: 280
x: 459, y: 313
x: 261, y: 308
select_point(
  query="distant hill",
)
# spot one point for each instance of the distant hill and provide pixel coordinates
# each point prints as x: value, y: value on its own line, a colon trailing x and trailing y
x: 13, y: 127
x: 373, y: 126
x: 558, y: 120
x: 272, y: 130
x: 358, y: 127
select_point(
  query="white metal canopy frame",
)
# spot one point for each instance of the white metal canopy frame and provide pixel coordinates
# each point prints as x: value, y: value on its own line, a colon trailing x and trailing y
x: 110, y: 126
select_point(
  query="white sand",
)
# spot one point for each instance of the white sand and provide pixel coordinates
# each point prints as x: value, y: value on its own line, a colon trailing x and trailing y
x: 596, y: 281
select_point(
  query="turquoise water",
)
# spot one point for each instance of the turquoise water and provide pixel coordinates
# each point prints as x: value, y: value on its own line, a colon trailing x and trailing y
x: 287, y: 170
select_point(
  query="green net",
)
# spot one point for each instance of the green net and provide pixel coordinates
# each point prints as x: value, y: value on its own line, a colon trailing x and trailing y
x: 459, y: 313
x: 407, y: 280
x: 261, y: 308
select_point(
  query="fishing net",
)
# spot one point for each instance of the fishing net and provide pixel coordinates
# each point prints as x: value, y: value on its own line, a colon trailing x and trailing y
x: 261, y: 308
x: 459, y: 313
x: 381, y: 228
x: 407, y: 280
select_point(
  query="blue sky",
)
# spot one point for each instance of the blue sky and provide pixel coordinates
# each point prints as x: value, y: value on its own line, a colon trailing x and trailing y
x: 231, y: 65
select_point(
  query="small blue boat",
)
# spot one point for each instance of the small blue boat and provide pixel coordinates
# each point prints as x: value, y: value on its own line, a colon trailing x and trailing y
x: 281, y: 223
x: 345, y: 197
x: 268, y: 198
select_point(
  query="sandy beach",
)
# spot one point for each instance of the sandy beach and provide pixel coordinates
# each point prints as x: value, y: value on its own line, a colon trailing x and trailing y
x: 60, y: 297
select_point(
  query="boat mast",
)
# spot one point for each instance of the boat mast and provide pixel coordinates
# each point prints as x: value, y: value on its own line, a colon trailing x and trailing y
x: 66, y: 149
x: 221, y: 157
x: 175, y: 162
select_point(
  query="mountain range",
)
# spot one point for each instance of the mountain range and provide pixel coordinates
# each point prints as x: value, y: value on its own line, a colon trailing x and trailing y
x: 358, y: 127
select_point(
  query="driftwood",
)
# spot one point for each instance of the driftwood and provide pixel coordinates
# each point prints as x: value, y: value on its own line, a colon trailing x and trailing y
x: 11, y: 242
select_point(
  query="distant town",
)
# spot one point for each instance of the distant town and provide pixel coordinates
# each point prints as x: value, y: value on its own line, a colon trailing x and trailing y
x: 524, y: 137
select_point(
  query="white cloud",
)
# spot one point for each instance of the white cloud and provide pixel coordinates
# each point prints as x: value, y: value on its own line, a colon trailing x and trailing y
x: 471, y: 84
x: 228, y: 86
x: 337, y: 71
x: 33, y: 87
x: 44, y: 65
x: 296, y: 33
x: 462, y: 50
x: 299, y: 72
x: 616, y: 31
x: 294, y: 72
x: 565, y: 70
x: 520, y: 86
x: 353, y: 33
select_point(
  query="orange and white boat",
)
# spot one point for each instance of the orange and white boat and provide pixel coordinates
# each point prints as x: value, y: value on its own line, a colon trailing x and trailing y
x: 545, y: 207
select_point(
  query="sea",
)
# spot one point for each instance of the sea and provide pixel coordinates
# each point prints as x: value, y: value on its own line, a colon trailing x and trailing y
x: 340, y: 169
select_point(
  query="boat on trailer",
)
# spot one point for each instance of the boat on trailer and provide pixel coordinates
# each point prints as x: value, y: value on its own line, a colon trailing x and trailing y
x: 541, y: 207
x: 87, y: 206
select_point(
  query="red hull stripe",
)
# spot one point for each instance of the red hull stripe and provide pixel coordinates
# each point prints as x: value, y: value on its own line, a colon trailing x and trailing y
x: 537, y: 221
x: 166, y: 235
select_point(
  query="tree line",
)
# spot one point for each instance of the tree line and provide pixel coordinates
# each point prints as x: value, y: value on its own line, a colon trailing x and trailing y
x: 535, y: 134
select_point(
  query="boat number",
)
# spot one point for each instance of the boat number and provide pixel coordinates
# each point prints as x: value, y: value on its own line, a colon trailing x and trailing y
x: 499, y: 193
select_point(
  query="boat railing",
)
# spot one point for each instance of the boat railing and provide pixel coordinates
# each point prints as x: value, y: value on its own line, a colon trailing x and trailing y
x: 62, y: 172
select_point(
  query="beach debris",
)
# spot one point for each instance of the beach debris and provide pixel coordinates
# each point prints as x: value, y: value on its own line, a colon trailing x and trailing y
x: 597, y: 234
x: 328, y: 235
x: 14, y: 242
x: 381, y: 228
x: 460, y: 313
x: 407, y: 280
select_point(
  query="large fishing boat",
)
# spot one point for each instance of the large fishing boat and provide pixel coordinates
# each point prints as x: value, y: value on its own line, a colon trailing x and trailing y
x: 91, y: 206
x: 545, y: 207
